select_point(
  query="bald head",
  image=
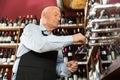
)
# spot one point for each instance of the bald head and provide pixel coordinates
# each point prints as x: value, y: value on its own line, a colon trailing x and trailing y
x: 48, y: 9
x: 50, y: 17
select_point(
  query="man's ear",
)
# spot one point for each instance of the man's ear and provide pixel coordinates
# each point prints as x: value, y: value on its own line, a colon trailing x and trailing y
x: 44, y: 15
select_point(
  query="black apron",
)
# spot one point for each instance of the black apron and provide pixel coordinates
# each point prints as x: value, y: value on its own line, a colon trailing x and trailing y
x: 37, y: 66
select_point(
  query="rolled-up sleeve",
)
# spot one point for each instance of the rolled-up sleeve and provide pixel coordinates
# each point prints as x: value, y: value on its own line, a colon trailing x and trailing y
x: 62, y: 70
x: 61, y: 67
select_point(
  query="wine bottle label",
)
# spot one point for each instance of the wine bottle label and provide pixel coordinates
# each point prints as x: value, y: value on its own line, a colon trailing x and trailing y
x: 69, y: 56
x: 113, y: 55
x: 15, y: 25
x: 1, y: 39
x: 70, y: 78
x: 4, y: 60
x: 0, y: 60
x: 65, y: 59
x: 109, y: 57
x: 75, y: 77
x: 8, y: 39
x: 34, y: 21
x: 8, y: 60
x: 10, y: 24
x: 4, y: 24
x: 22, y: 25
x: 104, y: 53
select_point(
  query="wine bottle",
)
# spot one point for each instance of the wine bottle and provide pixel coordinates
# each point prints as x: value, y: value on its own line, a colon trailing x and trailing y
x: 78, y: 18
x: 108, y: 53
x: 1, y: 55
x: 65, y: 55
x: 70, y: 55
x: 81, y: 17
x: 58, y: 32
x: 15, y: 36
x: 9, y: 55
x: 23, y: 22
x: 5, y: 76
x: 9, y: 38
x: 84, y: 74
x: 62, y: 32
x: 27, y: 20
x: 4, y: 22
x: 10, y: 23
x: 2, y: 37
x: 6, y: 38
x: 103, y: 53
x: 5, y: 55
x: 112, y: 52
x: 79, y: 72
x: 35, y: 20
x: 75, y: 76
x: 1, y: 74
x: 62, y: 20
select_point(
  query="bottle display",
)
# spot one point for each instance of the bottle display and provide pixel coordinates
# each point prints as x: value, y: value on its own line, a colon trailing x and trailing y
x: 103, y: 25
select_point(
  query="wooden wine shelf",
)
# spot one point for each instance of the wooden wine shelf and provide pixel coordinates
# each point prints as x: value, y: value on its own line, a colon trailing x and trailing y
x: 8, y: 45
x: 6, y: 65
x: 71, y: 26
x: 9, y: 28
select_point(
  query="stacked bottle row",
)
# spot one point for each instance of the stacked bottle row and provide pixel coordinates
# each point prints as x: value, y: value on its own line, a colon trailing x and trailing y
x: 5, y: 73
x: 102, y: 59
x: 68, y: 31
x: 80, y: 54
x: 107, y: 53
x: 115, y: 13
x: 108, y: 26
x: 19, y: 21
x: 7, y: 56
x: 75, y: 52
x: 75, y: 17
x: 80, y: 74
x: 8, y: 36
x: 22, y: 21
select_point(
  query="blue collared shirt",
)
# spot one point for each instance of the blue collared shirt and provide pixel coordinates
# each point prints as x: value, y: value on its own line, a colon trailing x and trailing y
x: 33, y: 39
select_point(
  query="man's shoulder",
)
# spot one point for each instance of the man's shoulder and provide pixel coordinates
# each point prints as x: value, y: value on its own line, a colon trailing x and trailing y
x: 32, y: 26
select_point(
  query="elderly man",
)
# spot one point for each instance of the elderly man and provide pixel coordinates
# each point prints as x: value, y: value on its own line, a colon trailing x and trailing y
x: 39, y: 55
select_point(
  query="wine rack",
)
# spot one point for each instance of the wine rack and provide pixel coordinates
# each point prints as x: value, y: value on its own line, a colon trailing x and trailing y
x: 9, y: 37
x: 95, y: 22
x: 10, y: 32
x: 102, y: 33
x: 69, y: 25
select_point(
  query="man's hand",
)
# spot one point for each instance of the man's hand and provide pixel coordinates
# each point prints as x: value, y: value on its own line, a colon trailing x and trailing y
x: 79, y: 38
x: 72, y: 65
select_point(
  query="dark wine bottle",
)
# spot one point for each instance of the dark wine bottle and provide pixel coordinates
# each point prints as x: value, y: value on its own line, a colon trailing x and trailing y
x: 103, y: 53
x: 70, y: 55
x: 5, y: 76
x: 5, y: 55
x: 113, y: 55
x: 1, y: 74
x: 65, y: 55
x: 1, y: 55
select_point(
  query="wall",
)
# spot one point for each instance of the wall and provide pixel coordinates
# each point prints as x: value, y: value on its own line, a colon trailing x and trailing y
x: 14, y: 8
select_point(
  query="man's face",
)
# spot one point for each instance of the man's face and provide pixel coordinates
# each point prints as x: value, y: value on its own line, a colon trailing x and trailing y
x: 53, y: 18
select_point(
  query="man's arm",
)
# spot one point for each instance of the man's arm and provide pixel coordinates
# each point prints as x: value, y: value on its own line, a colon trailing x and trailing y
x: 33, y: 39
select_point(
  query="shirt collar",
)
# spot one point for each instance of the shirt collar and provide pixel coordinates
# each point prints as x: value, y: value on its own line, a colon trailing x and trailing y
x: 45, y: 31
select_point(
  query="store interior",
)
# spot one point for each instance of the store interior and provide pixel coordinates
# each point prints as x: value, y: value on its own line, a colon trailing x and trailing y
x: 98, y: 20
